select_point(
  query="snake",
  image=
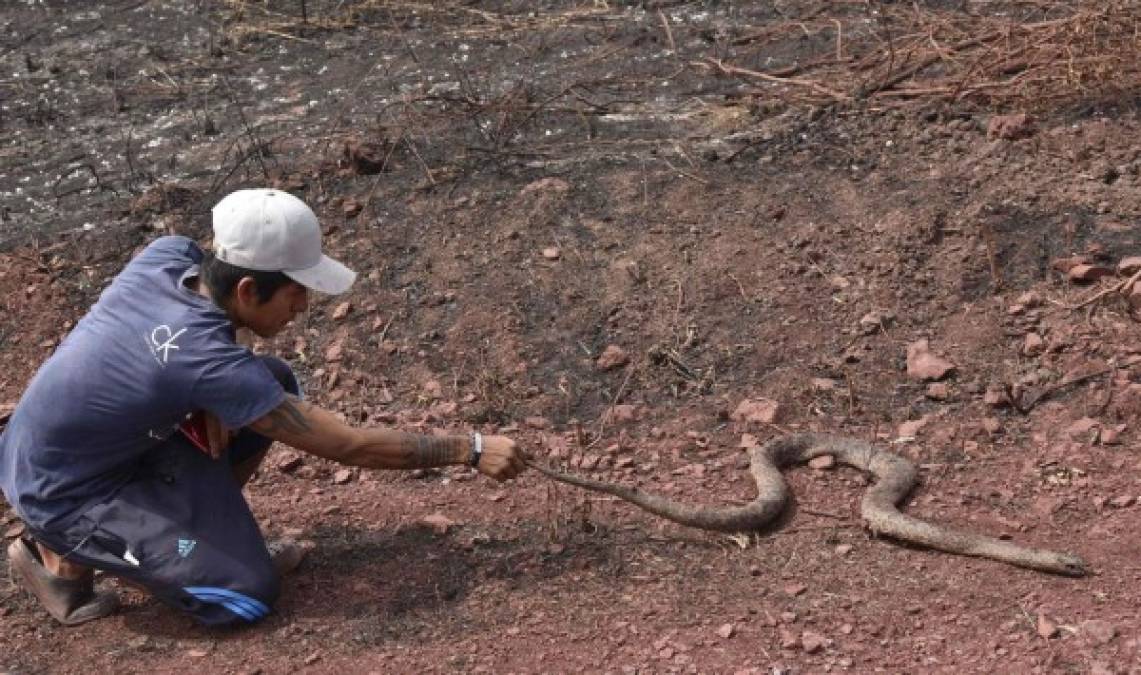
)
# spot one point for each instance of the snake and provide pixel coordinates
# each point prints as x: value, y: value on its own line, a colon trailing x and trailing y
x: 895, y: 477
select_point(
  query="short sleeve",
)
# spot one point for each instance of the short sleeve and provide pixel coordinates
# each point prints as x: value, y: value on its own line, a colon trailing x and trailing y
x: 238, y: 389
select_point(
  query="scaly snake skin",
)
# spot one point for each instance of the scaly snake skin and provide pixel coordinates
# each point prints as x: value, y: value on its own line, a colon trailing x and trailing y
x: 895, y: 477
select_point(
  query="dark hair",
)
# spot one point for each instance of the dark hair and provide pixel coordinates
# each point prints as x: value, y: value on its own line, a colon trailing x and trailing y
x: 221, y: 278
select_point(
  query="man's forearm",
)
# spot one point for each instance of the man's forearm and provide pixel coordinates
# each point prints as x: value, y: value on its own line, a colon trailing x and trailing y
x: 390, y: 449
x: 307, y: 427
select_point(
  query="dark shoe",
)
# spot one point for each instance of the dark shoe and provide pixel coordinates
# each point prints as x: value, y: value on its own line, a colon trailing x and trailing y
x: 70, y: 601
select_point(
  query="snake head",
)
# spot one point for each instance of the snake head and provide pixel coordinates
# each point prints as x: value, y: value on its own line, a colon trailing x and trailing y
x: 1070, y: 565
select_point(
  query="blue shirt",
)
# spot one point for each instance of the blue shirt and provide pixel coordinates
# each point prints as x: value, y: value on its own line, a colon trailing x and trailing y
x: 148, y: 353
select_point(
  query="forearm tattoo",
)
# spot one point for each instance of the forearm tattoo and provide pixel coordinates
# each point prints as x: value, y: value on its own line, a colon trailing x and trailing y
x: 433, y: 451
x: 287, y: 417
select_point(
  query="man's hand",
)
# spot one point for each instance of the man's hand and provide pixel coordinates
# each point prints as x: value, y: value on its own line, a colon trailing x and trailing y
x: 501, y: 459
x: 217, y: 435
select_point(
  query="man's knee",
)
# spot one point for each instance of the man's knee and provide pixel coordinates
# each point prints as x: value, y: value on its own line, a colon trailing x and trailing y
x: 232, y: 604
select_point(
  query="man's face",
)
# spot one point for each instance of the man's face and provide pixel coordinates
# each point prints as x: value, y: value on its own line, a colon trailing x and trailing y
x: 269, y: 318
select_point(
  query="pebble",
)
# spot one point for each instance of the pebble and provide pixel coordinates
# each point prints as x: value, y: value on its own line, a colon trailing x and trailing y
x: 822, y: 462
x: 793, y: 590
x: 343, y: 476
x: 812, y: 641
x: 923, y: 364
x: 761, y: 410
x: 1047, y: 628
x: 1097, y: 631
x: 551, y: 253
x: 612, y: 357
x: 726, y: 631
x: 342, y: 311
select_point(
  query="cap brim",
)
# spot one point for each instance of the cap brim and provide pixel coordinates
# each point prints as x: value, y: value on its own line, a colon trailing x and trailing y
x: 327, y: 276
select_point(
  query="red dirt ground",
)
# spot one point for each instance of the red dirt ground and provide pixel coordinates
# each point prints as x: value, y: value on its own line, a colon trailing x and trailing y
x: 522, y: 187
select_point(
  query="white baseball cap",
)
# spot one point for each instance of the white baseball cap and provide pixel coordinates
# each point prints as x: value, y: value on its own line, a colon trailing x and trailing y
x: 273, y: 231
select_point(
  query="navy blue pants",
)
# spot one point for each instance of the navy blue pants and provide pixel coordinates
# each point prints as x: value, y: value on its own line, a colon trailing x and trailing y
x: 182, y: 529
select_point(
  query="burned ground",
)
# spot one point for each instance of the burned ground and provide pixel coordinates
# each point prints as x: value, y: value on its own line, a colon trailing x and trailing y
x: 763, y: 201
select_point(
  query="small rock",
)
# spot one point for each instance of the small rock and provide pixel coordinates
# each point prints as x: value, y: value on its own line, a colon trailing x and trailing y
x: 911, y: 428
x: 938, y: 391
x: 1129, y: 266
x: 1010, y: 127
x: 342, y: 311
x: 793, y: 590
x: 1097, y: 631
x: 351, y: 208
x: 843, y: 549
x: 1123, y: 501
x: 612, y: 357
x: 996, y: 398
x: 1088, y: 273
x: 290, y: 463
x: 438, y: 522
x: 822, y: 462
x: 823, y: 384
x: 748, y: 441
x: 537, y: 422
x: 922, y: 364
x: 1064, y: 265
x: 1033, y: 344
x: 1029, y: 300
x: 197, y: 653
x: 761, y: 410
x: 335, y: 352
x: 1047, y: 628
x: 992, y: 425
x: 874, y: 321
x: 812, y: 642
x: 726, y: 631
x: 551, y: 253
x: 788, y: 639
x: 1084, y: 429
x: 343, y: 476
x: 623, y: 412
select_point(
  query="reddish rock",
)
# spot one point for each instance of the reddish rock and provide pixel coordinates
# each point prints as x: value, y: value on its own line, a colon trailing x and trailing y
x: 343, y: 476
x: 552, y: 253
x: 1010, y: 127
x: 537, y: 422
x: 749, y: 441
x: 1084, y: 429
x: 996, y: 397
x: 623, y: 413
x: 761, y: 410
x: 788, y: 639
x: 556, y: 185
x: 351, y: 208
x: 922, y: 364
x: 1129, y: 266
x: 938, y: 391
x: 290, y: 463
x: 1097, y: 631
x: 1064, y: 265
x: 793, y: 590
x: 335, y: 352
x: 612, y: 357
x: 438, y: 522
x: 1033, y: 344
x: 812, y: 642
x: 726, y: 631
x: 1088, y: 273
x: 843, y: 549
x: 1124, y: 501
x: 992, y: 425
x: 822, y: 462
x: 910, y: 429
x: 823, y: 384
x: 342, y: 311
x: 1047, y: 628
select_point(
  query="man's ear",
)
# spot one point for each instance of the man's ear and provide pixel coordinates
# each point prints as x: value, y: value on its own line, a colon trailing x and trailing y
x: 246, y: 292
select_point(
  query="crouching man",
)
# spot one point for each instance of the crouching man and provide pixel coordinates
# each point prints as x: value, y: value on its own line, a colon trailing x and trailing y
x: 119, y: 456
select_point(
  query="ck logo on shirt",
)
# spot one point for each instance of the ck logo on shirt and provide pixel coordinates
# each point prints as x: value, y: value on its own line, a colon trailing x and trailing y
x: 162, y: 341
